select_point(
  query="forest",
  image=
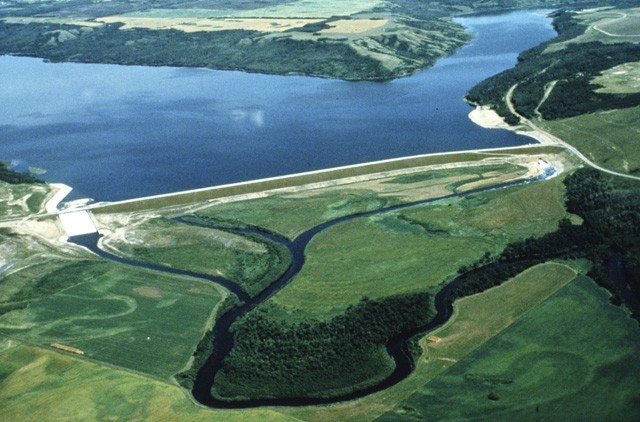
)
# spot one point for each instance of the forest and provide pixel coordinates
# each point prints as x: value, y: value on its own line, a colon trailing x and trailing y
x: 273, y: 357
x: 573, y: 67
x: 13, y: 177
x: 221, y: 50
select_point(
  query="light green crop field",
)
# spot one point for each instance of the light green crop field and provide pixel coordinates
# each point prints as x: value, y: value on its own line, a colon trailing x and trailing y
x: 417, y: 248
x: 71, y: 389
x: 130, y: 317
x: 573, y: 357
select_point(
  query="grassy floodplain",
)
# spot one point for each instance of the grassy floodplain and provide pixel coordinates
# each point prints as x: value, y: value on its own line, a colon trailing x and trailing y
x: 573, y: 357
x: 305, y: 210
x: 376, y: 256
x: 251, y: 262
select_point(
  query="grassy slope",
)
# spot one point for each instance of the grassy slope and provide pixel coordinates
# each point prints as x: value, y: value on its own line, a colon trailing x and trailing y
x: 604, y: 133
x: 417, y: 248
x: 414, y: 36
x: 608, y: 138
x: 71, y: 389
x: 574, y: 357
x: 129, y: 317
x: 407, y: 43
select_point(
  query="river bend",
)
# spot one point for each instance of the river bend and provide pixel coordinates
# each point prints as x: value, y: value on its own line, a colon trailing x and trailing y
x: 223, y: 337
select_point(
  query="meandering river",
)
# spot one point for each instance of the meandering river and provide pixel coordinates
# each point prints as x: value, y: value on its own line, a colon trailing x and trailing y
x: 223, y: 337
x: 121, y: 132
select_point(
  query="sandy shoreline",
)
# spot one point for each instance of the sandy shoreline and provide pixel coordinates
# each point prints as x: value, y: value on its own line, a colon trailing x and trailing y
x: 487, y: 118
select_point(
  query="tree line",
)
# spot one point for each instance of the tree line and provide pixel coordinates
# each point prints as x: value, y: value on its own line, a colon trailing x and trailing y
x: 14, y: 177
x: 573, y: 67
x: 610, y: 213
x: 273, y: 357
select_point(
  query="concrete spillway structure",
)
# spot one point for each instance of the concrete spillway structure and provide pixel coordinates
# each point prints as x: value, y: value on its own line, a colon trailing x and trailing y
x: 77, y: 223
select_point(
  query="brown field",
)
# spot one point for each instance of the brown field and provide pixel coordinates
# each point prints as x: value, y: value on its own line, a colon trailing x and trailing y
x: 354, y: 26
x: 65, y: 21
x: 198, y: 24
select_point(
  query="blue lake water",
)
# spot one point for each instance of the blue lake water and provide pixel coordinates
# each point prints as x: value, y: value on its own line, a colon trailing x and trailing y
x: 119, y: 132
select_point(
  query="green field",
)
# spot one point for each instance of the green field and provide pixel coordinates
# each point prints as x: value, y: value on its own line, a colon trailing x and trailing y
x: 473, y: 323
x: 251, y: 262
x: 289, y: 215
x: 573, y: 357
x: 130, y: 317
x: 416, y: 249
x: 70, y: 389
x: 605, y: 137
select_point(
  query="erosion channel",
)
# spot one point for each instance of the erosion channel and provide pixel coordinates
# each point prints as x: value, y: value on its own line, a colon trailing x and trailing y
x: 223, y: 337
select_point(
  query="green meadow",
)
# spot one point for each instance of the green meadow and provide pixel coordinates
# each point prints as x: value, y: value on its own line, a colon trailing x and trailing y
x: 603, y: 137
x: 573, y: 357
x: 38, y: 384
x: 126, y: 316
x: 252, y: 262
x: 290, y: 214
x: 417, y: 248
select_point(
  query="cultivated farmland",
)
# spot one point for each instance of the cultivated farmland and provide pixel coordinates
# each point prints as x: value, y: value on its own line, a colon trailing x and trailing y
x: 573, y: 357
x: 130, y: 317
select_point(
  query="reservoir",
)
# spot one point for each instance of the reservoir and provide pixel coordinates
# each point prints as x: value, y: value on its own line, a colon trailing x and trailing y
x: 119, y: 132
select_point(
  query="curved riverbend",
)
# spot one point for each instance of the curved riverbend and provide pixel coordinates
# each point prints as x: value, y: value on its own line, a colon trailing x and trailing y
x: 224, y: 337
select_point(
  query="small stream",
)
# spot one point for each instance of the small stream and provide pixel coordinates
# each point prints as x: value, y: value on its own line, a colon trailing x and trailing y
x: 224, y: 337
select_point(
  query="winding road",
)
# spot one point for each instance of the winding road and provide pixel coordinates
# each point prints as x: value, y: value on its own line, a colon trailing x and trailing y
x: 552, y: 139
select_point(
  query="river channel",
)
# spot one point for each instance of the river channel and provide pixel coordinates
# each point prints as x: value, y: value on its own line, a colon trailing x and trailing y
x: 121, y: 132
x: 223, y: 337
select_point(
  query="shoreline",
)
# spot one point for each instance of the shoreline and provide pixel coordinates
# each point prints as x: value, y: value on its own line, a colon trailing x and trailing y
x: 486, y: 117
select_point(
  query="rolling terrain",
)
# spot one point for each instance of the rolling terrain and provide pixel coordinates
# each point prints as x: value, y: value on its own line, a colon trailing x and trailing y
x: 544, y: 321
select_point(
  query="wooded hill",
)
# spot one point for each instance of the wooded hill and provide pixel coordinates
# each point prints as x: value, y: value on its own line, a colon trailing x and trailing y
x: 573, y: 67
